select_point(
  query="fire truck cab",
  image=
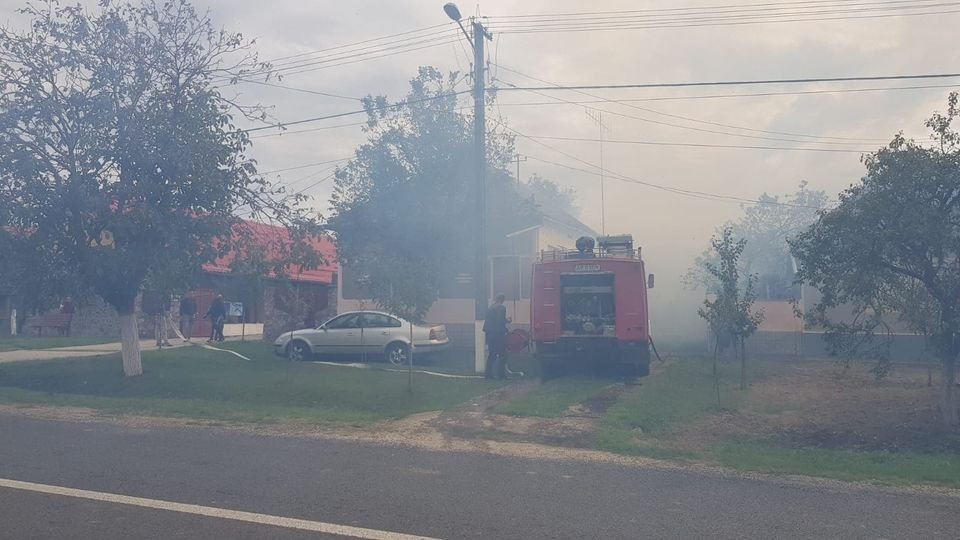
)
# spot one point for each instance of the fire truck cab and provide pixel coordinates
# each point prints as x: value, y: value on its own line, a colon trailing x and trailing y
x: 589, y: 306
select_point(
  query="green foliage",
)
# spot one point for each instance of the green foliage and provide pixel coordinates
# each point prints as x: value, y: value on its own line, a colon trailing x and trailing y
x: 889, y: 250
x: 548, y: 194
x: 403, y: 205
x: 118, y: 154
x: 767, y: 226
x: 730, y: 312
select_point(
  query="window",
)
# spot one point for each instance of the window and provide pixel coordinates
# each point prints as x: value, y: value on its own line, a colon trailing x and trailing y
x: 344, y: 321
x: 379, y: 320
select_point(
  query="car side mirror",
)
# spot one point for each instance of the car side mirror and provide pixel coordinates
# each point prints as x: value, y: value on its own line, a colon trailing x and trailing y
x: 650, y: 281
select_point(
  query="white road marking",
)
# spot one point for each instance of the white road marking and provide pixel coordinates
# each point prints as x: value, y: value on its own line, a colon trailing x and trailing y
x: 209, y: 511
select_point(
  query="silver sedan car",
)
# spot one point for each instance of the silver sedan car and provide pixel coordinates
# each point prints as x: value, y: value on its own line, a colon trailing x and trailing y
x: 359, y: 333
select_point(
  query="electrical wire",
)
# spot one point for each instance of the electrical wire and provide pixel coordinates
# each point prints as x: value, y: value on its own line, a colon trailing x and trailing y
x: 350, y: 113
x: 306, y: 166
x: 689, y: 128
x: 311, y: 130
x: 354, y: 44
x: 611, y: 174
x: 697, y: 145
x: 738, y: 82
x: 348, y: 57
x: 727, y: 23
x: 722, y: 96
x: 700, y: 121
x: 303, y: 90
x: 620, y: 19
x: 767, y: 5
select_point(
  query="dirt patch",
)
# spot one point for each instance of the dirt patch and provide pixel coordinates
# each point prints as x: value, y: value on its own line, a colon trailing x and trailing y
x: 819, y: 405
x: 572, y: 429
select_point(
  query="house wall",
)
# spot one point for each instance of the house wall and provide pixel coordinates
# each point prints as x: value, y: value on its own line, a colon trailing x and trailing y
x: 280, y: 316
x: 782, y: 333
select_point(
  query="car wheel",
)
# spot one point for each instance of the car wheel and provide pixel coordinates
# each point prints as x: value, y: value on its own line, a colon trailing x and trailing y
x: 298, y: 351
x: 398, y: 354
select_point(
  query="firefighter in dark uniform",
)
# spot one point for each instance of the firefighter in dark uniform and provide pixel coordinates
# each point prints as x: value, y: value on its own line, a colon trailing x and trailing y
x: 495, y: 331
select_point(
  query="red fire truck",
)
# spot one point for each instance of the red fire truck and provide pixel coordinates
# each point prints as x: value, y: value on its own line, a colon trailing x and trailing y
x: 589, y: 306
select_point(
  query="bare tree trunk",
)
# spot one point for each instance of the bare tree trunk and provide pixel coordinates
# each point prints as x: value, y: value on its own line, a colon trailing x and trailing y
x: 743, y: 363
x: 130, y: 345
x: 716, y: 375
x: 949, y: 397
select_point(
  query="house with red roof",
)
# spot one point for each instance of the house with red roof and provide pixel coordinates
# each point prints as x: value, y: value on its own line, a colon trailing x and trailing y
x: 272, y: 302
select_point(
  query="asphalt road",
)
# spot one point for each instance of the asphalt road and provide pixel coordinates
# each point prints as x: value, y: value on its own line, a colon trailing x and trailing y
x: 417, y: 492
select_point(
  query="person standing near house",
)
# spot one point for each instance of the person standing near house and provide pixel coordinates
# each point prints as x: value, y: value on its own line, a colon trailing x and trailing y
x: 495, y: 330
x: 188, y: 311
x: 217, y: 315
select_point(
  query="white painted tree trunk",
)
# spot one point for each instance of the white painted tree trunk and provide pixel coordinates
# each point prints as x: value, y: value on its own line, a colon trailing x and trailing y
x: 130, y: 345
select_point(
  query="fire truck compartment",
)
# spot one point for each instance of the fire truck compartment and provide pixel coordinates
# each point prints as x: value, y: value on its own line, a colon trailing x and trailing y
x: 587, y: 305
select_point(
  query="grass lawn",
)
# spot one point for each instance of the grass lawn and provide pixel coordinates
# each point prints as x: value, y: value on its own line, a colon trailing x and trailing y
x: 554, y: 397
x: 657, y: 418
x: 14, y: 343
x: 196, y: 383
x: 900, y: 468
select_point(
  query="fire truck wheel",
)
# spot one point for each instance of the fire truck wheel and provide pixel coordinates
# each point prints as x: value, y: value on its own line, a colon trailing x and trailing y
x: 643, y: 369
x: 548, y: 369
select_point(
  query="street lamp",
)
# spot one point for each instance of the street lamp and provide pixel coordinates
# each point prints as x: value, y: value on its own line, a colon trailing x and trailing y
x: 453, y: 12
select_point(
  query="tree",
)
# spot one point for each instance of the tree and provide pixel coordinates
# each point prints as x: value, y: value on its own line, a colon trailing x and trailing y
x: 730, y: 313
x: 548, y: 194
x: 118, y: 148
x: 767, y: 226
x: 401, y: 206
x: 891, y: 250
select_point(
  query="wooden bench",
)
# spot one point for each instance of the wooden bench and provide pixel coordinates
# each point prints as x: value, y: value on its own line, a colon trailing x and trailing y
x: 60, y: 321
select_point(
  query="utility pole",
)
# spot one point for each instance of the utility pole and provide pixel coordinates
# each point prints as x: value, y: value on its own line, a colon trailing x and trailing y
x: 517, y: 159
x: 481, y: 281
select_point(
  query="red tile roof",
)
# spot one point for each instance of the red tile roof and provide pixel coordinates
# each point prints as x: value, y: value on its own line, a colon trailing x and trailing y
x: 273, y: 237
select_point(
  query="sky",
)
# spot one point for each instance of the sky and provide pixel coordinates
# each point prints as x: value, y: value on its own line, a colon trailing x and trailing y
x: 672, y: 229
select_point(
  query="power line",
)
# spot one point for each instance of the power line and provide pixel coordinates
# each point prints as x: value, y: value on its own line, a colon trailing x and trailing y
x: 303, y: 90
x: 690, y: 119
x: 779, y: 5
x: 723, y: 96
x: 350, y: 113
x: 690, y: 128
x: 676, y: 191
x: 677, y: 24
x: 306, y: 166
x: 737, y: 82
x: 371, y: 40
x: 624, y: 178
x: 624, y: 19
x: 349, y: 57
x: 698, y: 145
x: 311, y: 130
